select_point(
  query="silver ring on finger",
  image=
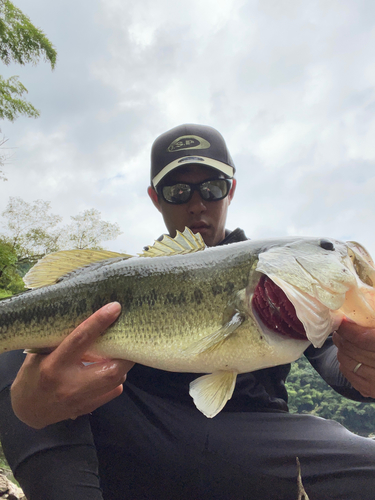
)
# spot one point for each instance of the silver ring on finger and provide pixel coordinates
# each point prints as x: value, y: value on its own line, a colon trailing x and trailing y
x: 357, y: 367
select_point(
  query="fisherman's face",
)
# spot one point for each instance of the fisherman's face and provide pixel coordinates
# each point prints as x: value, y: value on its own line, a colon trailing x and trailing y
x: 204, y: 217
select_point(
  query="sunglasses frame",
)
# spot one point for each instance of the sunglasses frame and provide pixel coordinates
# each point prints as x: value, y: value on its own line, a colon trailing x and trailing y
x: 194, y: 187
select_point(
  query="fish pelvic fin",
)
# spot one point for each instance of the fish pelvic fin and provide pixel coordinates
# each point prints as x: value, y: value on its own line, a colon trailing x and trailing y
x: 182, y: 243
x: 55, y: 265
x: 214, y: 340
x: 211, y: 392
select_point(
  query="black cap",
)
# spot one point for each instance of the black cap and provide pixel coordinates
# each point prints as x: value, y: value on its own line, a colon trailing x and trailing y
x: 186, y: 144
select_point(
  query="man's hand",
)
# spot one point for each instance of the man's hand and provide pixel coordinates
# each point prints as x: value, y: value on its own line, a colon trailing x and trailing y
x: 356, y: 354
x: 54, y: 387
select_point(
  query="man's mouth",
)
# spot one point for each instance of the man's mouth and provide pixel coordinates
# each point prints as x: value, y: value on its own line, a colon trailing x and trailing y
x: 200, y: 227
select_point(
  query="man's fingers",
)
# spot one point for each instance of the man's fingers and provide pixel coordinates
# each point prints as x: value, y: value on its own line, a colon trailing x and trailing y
x: 362, y: 379
x: 358, y: 335
x: 358, y: 354
x: 357, y: 367
x: 79, y: 341
x: 100, y: 378
x: 98, y: 384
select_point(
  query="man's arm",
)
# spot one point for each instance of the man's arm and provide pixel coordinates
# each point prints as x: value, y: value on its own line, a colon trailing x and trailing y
x: 55, y: 387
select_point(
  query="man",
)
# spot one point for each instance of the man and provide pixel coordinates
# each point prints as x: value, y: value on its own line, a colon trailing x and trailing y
x: 136, y: 434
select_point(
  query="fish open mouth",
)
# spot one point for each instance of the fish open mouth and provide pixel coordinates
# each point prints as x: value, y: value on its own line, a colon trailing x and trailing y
x: 276, y: 311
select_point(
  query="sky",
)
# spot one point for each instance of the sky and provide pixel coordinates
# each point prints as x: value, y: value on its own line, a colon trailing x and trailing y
x: 290, y: 84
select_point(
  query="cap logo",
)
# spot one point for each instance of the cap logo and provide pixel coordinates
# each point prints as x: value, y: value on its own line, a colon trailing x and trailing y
x: 188, y: 142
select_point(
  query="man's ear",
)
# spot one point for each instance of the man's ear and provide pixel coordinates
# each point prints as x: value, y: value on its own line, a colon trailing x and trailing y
x: 154, y: 197
x: 232, y: 190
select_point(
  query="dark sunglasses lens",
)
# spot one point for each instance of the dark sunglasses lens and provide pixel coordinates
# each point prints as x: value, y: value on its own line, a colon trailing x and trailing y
x: 178, y: 193
x: 214, y: 190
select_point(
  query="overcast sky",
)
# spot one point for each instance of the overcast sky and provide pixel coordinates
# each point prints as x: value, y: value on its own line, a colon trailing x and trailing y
x: 289, y: 83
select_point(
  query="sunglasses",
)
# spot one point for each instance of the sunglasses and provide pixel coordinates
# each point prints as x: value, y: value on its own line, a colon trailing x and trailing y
x: 182, y: 192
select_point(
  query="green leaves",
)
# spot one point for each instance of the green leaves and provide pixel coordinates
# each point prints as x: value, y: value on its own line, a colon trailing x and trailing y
x: 308, y: 393
x: 31, y: 231
x: 30, y: 228
x: 20, y: 40
x: 10, y: 280
x: 87, y: 230
x: 10, y: 103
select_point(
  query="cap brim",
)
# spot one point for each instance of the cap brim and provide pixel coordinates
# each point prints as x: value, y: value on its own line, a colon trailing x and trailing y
x: 198, y: 160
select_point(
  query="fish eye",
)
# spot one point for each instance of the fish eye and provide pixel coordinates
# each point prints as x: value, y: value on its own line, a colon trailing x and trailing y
x: 327, y: 245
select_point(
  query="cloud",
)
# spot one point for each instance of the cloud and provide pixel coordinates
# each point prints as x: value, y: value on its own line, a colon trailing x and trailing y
x: 290, y: 85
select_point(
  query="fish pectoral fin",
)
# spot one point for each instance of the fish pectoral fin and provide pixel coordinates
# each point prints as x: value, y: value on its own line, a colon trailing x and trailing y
x: 182, y: 243
x: 211, y: 392
x: 55, y: 265
x: 214, y: 340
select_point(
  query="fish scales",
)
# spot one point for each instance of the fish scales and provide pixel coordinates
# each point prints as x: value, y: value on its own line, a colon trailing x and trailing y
x: 222, y: 311
x: 187, y: 300
x: 163, y: 300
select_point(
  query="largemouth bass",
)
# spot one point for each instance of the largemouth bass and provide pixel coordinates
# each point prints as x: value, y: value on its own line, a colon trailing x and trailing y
x: 220, y: 311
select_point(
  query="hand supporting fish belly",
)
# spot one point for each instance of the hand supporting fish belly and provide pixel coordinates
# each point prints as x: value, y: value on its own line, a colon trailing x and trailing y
x: 56, y: 387
x: 220, y: 311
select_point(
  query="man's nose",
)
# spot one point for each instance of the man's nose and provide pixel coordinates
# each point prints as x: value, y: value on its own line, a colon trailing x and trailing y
x: 196, y: 205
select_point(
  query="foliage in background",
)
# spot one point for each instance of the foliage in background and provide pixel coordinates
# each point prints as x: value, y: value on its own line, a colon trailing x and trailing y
x: 308, y: 393
x: 29, y: 228
x: 20, y: 42
x: 28, y: 231
x: 10, y: 279
x: 88, y: 231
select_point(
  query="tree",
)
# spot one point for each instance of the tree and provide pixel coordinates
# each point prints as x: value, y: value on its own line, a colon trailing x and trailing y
x: 88, y: 231
x: 29, y: 228
x: 309, y: 393
x: 32, y: 231
x: 10, y: 105
x: 10, y: 279
x: 20, y: 42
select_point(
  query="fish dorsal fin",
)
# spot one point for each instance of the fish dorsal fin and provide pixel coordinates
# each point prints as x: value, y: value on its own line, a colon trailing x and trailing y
x: 211, y: 392
x: 215, y: 339
x: 55, y: 265
x: 182, y: 243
